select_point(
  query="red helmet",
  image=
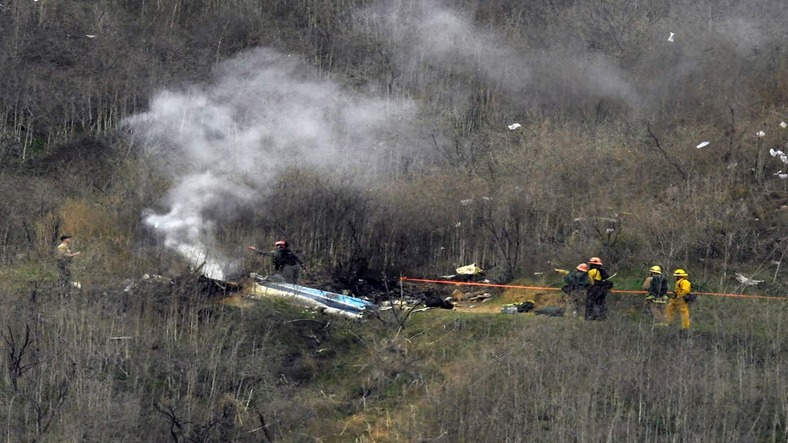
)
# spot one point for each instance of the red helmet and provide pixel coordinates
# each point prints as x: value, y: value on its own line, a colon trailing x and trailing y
x: 582, y: 267
x: 595, y: 261
x: 280, y: 244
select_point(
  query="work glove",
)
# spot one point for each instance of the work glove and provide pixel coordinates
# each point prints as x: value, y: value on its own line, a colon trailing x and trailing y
x: 689, y: 298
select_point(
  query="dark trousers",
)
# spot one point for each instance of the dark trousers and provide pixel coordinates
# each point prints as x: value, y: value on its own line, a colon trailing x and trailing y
x: 64, y: 277
x: 290, y: 273
x: 596, y: 309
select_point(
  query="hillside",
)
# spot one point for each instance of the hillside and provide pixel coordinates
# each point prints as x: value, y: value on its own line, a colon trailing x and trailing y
x: 382, y: 139
x: 163, y: 363
x: 375, y: 135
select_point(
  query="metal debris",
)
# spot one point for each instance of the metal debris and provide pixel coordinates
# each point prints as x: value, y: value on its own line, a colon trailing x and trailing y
x: 777, y: 153
x: 746, y: 280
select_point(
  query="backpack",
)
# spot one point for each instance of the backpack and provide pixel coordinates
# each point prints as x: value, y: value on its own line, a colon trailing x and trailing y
x: 659, y: 286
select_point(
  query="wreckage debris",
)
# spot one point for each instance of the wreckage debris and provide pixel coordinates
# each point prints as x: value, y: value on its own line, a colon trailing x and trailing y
x: 529, y: 306
x: 747, y: 281
x: 778, y: 153
x: 324, y: 301
x: 433, y: 301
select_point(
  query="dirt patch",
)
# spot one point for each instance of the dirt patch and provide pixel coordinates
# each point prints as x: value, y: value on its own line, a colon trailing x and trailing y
x: 236, y: 300
x: 541, y: 299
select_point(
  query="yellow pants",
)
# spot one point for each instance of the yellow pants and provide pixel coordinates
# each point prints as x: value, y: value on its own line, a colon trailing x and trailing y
x: 678, y: 304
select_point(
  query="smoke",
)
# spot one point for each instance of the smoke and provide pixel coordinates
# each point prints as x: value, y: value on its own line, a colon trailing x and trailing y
x: 429, y: 35
x: 223, y: 143
x: 426, y: 34
x: 582, y: 52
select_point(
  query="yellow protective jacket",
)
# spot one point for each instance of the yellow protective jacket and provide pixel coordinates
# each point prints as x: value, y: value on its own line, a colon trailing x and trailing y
x: 682, y: 288
x: 596, y: 273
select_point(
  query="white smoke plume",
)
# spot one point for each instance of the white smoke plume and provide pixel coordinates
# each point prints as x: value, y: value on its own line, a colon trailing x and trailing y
x: 223, y: 143
x: 429, y: 33
x: 582, y: 59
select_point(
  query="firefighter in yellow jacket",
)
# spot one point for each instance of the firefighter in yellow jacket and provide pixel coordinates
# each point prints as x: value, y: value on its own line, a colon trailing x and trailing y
x: 680, y: 299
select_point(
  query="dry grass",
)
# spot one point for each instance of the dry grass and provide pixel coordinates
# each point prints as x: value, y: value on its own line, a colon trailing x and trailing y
x: 622, y: 380
x: 158, y: 364
x: 141, y: 365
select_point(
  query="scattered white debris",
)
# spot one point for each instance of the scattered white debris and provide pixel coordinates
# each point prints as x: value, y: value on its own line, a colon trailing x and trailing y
x: 470, y: 269
x: 90, y: 35
x: 161, y: 279
x: 783, y: 125
x: 782, y: 175
x: 609, y: 230
x: 670, y: 38
x: 760, y: 133
x: 487, y: 198
x: 746, y: 280
x: 466, y: 202
x: 777, y: 153
x: 514, y: 126
x: 702, y: 145
x: 76, y: 284
x: 483, y: 297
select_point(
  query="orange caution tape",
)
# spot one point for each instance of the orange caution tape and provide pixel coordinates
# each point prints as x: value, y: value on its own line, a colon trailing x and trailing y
x: 460, y: 283
x: 540, y: 288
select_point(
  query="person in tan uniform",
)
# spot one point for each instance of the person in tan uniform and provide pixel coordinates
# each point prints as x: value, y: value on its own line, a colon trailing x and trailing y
x: 64, y: 258
x: 657, y: 287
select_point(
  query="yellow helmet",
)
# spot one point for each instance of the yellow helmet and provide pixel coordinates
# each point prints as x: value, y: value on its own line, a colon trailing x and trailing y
x: 680, y: 273
x: 655, y: 269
